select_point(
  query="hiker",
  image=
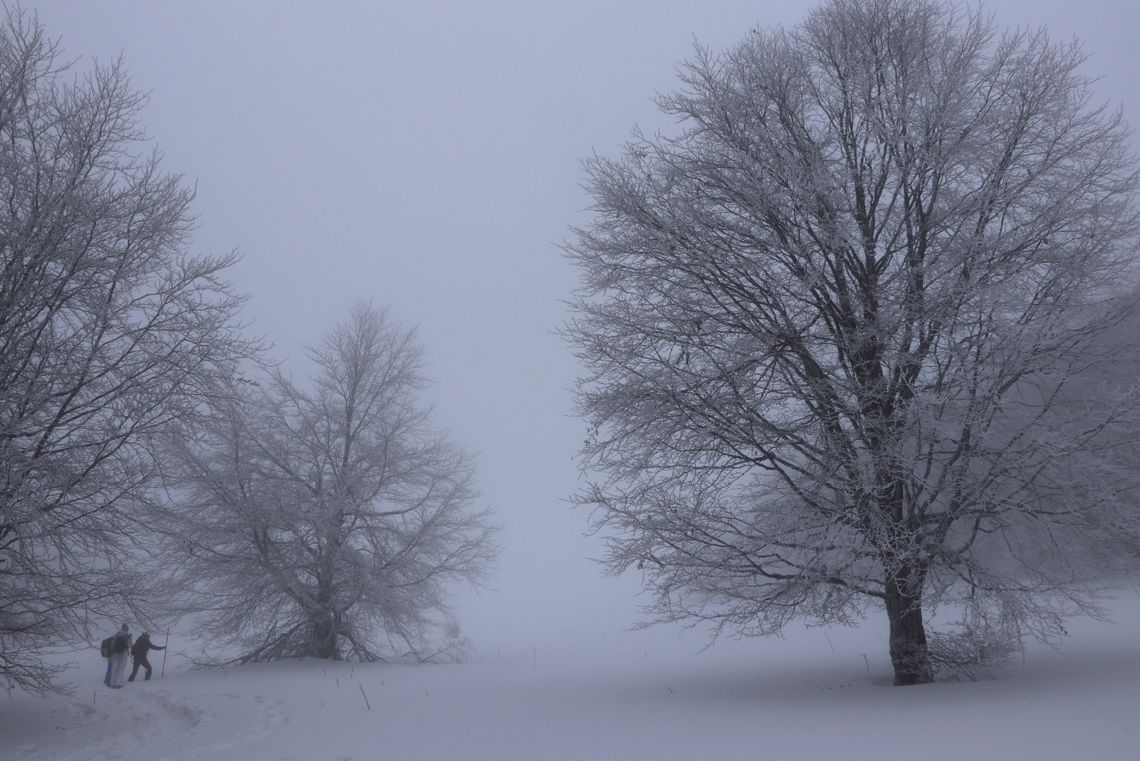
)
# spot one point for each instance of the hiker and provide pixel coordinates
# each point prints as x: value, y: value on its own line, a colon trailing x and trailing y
x: 117, y: 663
x: 138, y: 652
x: 106, y: 650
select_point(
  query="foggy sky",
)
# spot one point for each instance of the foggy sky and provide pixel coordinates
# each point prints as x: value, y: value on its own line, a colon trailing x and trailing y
x: 426, y: 156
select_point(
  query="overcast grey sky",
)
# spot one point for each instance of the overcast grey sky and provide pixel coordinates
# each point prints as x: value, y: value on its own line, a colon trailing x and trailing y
x: 425, y: 156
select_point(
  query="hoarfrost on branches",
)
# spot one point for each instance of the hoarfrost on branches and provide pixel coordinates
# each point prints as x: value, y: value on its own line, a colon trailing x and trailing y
x: 109, y: 330
x: 844, y: 332
x: 327, y: 521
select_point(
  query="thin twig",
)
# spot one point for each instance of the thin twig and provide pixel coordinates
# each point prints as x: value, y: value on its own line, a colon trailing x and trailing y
x: 365, y: 694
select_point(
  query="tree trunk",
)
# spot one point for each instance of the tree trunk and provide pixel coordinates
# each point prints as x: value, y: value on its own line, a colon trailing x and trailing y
x: 324, y: 623
x: 909, y: 654
x: 324, y: 637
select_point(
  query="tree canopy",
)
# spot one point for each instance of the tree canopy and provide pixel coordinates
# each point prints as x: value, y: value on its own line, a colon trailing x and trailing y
x: 839, y: 328
x: 327, y: 520
x: 110, y: 328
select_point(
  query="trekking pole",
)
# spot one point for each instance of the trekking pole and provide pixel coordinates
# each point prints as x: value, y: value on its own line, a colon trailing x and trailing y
x: 166, y: 644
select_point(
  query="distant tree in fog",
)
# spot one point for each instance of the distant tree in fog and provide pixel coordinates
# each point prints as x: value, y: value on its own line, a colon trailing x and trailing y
x: 327, y: 520
x: 109, y: 329
x: 844, y: 334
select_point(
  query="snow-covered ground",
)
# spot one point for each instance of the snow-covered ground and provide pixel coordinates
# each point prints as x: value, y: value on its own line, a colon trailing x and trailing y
x: 609, y: 695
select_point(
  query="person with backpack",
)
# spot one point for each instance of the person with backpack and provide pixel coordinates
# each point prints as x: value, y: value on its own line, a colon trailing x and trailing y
x: 117, y: 663
x: 138, y: 652
x: 106, y: 648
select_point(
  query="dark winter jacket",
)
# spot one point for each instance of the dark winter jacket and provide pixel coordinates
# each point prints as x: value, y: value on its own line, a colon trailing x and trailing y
x: 142, y: 645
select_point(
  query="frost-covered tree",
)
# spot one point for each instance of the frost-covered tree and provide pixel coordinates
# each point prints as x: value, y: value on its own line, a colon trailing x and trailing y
x: 839, y: 325
x: 327, y: 520
x: 109, y: 329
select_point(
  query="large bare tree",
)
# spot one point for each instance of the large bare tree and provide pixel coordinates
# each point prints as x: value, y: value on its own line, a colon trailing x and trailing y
x: 109, y: 330
x: 328, y: 521
x: 839, y: 329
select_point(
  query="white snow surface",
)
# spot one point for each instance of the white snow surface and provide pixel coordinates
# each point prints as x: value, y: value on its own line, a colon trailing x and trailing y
x: 608, y: 694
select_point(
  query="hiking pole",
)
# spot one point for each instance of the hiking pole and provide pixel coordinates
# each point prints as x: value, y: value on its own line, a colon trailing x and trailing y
x: 166, y: 644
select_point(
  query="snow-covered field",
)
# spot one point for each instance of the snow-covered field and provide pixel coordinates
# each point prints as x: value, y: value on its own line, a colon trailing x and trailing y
x: 609, y: 695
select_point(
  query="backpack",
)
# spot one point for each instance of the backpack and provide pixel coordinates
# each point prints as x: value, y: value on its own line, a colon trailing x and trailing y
x: 105, y: 647
x: 121, y: 643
